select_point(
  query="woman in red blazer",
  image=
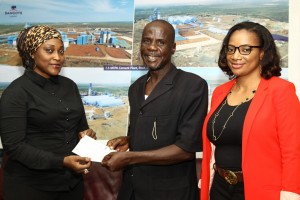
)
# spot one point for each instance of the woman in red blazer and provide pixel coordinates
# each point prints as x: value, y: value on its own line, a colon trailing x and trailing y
x: 251, y: 136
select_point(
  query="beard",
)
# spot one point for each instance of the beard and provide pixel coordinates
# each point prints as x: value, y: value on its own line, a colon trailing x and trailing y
x: 155, y: 68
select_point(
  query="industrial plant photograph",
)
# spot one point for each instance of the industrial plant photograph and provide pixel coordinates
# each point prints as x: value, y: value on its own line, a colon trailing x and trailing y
x: 93, y: 35
x: 200, y: 26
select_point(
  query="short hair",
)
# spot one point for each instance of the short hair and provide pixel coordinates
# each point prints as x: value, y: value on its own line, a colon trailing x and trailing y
x: 270, y: 63
x: 167, y: 24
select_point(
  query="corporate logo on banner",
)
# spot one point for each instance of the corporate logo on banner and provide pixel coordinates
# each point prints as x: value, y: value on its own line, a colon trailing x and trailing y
x: 13, y: 12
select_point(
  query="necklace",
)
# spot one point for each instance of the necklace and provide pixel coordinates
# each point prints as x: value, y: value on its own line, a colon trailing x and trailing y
x: 215, y: 138
x: 148, y: 79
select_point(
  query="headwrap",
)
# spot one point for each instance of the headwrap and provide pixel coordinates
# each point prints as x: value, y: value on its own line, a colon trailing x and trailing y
x: 30, y: 39
x: 37, y: 35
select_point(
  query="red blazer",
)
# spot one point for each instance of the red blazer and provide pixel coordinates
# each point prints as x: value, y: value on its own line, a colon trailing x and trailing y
x: 270, y: 142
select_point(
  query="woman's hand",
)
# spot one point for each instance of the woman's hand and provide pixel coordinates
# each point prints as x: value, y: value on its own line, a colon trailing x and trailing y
x: 77, y: 163
x: 88, y: 132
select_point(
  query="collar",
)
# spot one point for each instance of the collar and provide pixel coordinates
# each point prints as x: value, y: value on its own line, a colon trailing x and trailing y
x: 168, y: 78
x: 38, y: 79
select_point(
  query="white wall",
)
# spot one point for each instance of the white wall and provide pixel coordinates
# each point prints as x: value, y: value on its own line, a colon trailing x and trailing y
x: 294, y: 44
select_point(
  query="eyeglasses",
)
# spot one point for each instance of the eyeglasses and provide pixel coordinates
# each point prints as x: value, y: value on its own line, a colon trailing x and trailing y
x: 243, y: 49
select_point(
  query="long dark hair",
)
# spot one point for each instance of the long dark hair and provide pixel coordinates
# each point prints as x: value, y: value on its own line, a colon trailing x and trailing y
x: 271, y: 59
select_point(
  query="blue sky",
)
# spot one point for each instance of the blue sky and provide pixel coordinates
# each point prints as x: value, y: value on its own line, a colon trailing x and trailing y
x: 86, y: 10
x: 142, y: 3
x: 67, y: 10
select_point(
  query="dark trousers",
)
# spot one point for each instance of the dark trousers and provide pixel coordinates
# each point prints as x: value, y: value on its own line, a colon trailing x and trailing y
x: 13, y: 190
x: 222, y: 190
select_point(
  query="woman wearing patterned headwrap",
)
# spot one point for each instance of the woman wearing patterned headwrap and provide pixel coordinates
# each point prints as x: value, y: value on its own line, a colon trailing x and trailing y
x: 41, y: 120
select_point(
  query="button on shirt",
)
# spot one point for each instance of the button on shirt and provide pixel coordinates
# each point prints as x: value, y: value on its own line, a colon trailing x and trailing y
x: 39, y: 124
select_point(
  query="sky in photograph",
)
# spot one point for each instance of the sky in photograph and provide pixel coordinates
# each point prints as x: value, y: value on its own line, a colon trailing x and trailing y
x: 142, y: 3
x: 66, y: 11
x: 87, y: 10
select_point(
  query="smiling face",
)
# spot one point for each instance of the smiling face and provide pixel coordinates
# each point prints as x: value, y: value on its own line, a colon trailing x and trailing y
x: 244, y: 65
x: 49, y: 58
x: 157, y: 45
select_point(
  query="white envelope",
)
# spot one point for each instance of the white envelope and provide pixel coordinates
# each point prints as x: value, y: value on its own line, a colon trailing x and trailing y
x: 94, y: 149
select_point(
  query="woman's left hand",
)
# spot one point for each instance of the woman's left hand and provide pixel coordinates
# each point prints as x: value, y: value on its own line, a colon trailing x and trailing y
x: 88, y: 132
x: 285, y: 195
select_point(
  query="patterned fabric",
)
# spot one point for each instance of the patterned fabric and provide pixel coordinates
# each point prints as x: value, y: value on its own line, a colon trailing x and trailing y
x: 37, y: 35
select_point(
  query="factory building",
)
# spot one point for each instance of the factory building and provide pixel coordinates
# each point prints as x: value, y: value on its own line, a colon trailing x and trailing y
x: 9, y: 39
x: 72, y: 37
x: 103, y: 100
x: 156, y: 15
x: 105, y: 37
x: 12, y: 40
x: 65, y: 39
x: 189, y: 21
x: 82, y: 39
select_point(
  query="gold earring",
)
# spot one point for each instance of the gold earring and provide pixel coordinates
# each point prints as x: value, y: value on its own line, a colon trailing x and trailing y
x: 260, y: 69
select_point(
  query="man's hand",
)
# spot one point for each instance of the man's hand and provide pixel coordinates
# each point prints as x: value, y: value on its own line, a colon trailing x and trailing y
x: 116, y: 161
x: 119, y: 143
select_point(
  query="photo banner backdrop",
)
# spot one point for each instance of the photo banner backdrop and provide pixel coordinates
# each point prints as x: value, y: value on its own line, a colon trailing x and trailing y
x: 102, y: 41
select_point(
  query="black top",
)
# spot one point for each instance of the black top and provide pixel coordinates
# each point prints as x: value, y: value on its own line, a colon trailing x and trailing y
x: 39, y: 124
x: 172, y: 114
x: 228, y: 152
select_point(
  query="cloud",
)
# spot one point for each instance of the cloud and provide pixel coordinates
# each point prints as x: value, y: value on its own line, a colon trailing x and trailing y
x: 109, y: 6
x: 102, y: 6
x: 168, y: 2
x: 70, y: 10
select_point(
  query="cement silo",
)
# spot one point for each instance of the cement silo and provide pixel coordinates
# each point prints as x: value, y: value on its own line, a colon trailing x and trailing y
x: 108, y: 36
x: 113, y: 40
x: 157, y: 13
x: 104, y: 36
x: 65, y: 39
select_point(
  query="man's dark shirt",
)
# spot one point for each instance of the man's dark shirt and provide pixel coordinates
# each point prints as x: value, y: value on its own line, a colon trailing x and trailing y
x: 173, y: 113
